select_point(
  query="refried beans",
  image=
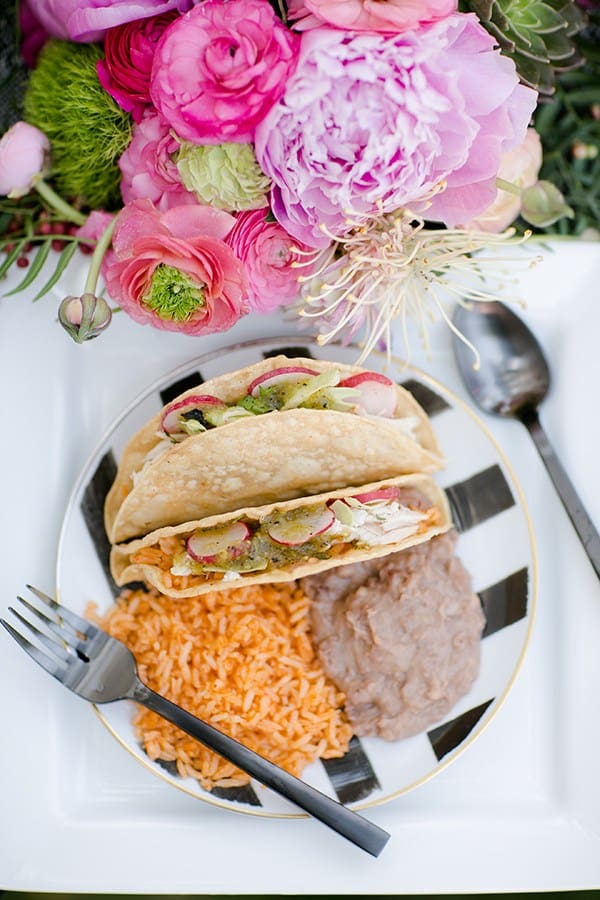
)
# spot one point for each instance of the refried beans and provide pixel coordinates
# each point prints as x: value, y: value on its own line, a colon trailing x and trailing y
x: 399, y: 636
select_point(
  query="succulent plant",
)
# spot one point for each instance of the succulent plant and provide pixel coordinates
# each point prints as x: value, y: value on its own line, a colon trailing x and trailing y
x: 537, y: 34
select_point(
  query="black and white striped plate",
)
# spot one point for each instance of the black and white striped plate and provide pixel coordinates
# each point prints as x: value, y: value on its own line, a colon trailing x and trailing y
x: 496, y: 545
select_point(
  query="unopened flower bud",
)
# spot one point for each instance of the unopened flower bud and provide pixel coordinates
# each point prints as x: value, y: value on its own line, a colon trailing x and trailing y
x: 542, y: 204
x: 85, y: 317
x: 584, y: 151
x: 23, y: 159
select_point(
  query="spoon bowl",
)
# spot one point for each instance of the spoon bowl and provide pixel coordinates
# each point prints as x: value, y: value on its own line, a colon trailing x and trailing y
x: 514, y: 376
x: 512, y: 379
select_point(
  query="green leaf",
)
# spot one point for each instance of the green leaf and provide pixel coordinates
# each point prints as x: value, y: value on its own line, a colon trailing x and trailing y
x: 586, y: 96
x: 63, y: 261
x: 34, y: 269
x: 12, y: 256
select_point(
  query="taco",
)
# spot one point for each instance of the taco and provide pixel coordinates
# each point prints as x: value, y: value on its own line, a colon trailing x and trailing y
x: 276, y: 430
x: 284, y: 541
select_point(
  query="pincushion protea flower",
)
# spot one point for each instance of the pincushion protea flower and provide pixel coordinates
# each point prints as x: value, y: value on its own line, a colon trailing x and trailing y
x: 394, y: 268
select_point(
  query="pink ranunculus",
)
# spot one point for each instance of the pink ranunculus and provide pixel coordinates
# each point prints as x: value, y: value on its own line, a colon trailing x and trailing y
x: 148, y: 168
x: 87, y: 20
x: 128, y: 53
x: 371, y: 122
x: 270, y: 256
x: 520, y: 167
x: 369, y: 15
x: 23, y: 155
x: 173, y: 270
x: 220, y: 68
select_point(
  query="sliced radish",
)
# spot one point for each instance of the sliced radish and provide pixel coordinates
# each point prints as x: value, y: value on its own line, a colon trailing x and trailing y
x: 298, y: 528
x: 378, y: 395
x: 342, y: 511
x: 389, y: 493
x: 170, y: 423
x: 206, y: 545
x: 276, y: 376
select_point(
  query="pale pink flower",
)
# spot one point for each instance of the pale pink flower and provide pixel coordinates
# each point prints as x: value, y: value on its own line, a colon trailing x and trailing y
x: 369, y: 15
x: 185, y: 247
x: 23, y: 154
x: 270, y: 256
x: 148, y: 168
x: 87, y: 20
x: 219, y: 69
x: 520, y: 167
x: 370, y: 123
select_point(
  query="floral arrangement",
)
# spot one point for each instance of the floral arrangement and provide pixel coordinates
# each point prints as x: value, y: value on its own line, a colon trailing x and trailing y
x: 345, y: 159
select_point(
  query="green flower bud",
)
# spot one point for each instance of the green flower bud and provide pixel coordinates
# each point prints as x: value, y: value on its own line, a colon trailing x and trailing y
x: 226, y: 176
x: 85, y: 317
x: 542, y: 204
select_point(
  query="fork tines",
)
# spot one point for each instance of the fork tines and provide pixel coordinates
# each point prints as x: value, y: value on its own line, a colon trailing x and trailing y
x: 63, y: 638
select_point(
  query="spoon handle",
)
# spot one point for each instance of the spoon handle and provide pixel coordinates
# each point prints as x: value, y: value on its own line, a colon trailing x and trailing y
x: 582, y: 523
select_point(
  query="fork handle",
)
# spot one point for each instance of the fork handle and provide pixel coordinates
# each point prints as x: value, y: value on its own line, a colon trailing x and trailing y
x: 349, y: 824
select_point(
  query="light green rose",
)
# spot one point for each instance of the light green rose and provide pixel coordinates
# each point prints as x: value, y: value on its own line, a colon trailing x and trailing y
x: 226, y: 176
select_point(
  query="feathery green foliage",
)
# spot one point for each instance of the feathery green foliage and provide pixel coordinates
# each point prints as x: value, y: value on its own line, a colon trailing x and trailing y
x: 87, y: 130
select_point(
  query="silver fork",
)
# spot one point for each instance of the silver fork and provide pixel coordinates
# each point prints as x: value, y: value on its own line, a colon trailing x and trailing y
x: 102, y: 669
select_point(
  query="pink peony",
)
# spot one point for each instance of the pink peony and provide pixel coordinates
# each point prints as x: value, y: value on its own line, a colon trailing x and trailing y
x: 87, y: 20
x: 369, y: 15
x: 219, y: 69
x: 174, y: 271
x: 373, y: 122
x: 33, y: 33
x: 268, y: 254
x: 23, y: 153
x: 148, y: 168
x: 129, y: 50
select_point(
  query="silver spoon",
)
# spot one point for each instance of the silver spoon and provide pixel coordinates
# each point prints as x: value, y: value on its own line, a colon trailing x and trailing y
x: 512, y: 380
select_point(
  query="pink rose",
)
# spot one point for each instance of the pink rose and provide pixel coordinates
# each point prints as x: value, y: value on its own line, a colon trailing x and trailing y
x: 23, y: 153
x: 148, y: 168
x: 268, y: 254
x: 519, y: 167
x: 174, y: 271
x: 129, y: 50
x: 369, y: 15
x: 87, y: 20
x: 219, y: 69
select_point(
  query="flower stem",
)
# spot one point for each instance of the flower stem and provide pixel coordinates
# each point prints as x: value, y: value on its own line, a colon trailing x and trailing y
x: 97, y: 257
x: 508, y: 186
x: 57, y: 203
